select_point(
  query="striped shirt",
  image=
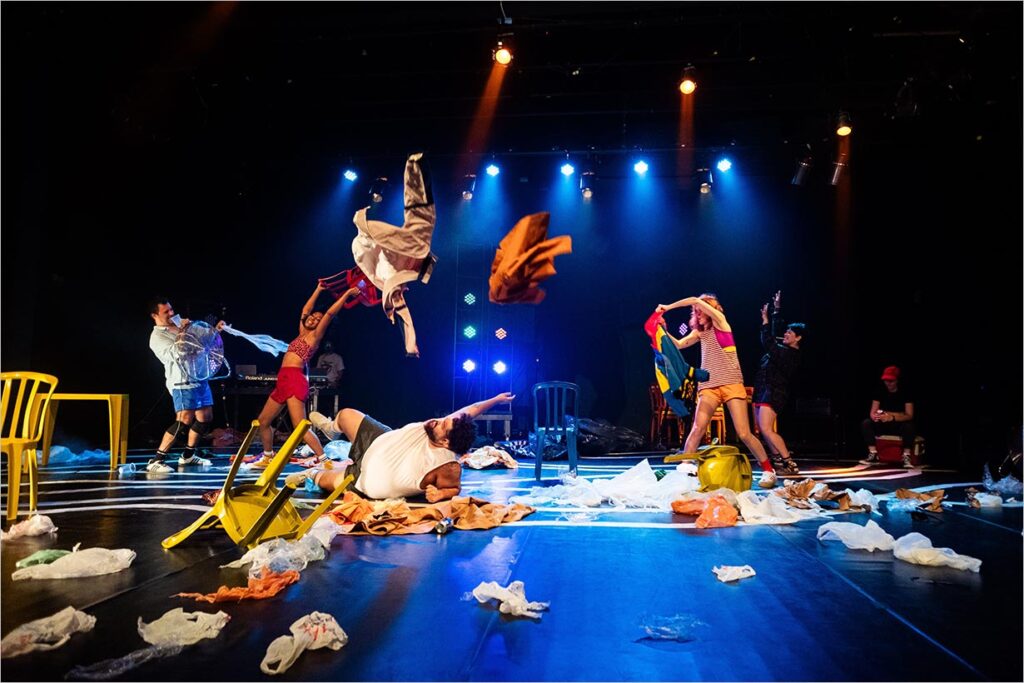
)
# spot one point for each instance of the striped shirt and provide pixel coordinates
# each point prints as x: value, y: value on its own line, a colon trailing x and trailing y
x: 718, y: 357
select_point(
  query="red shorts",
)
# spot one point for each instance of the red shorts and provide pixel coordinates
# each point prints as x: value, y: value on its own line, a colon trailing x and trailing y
x: 291, y: 382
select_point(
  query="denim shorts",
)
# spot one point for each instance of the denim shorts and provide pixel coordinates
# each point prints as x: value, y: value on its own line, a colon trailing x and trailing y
x: 192, y: 399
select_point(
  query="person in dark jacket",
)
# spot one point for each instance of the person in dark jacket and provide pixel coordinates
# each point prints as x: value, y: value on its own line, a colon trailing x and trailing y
x: 771, y: 387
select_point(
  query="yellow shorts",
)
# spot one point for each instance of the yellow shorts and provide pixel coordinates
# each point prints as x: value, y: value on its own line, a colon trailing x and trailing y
x: 726, y: 392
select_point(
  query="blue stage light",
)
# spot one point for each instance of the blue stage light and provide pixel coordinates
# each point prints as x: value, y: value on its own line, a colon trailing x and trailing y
x: 493, y: 170
x: 470, y: 299
x: 469, y: 332
x: 468, y: 365
x: 567, y: 170
x: 351, y: 175
x: 724, y: 165
x: 500, y: 367
x: 640, y: 167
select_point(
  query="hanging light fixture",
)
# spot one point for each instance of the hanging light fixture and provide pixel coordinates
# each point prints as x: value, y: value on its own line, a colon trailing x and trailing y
x: 468, y: 186
x: 803, y: 167
x: 688, y: 83
x: 844, y: 125
x: 839, y: 168
x: 502, y: 54
x: 587, y: 184
x: 377, y: 189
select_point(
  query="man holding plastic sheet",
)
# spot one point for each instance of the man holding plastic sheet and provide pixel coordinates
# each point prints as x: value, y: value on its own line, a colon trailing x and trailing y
x: 421, y: 457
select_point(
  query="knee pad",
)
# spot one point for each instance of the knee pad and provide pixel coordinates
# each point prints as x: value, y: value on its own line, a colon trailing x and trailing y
x: 201, y: 428
x: 177, y: 429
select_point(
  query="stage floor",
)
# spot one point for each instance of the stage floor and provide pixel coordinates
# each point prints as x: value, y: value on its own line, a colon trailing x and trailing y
x: 815, y: 611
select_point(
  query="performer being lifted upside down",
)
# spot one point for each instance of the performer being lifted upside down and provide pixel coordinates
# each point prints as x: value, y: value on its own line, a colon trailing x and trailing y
x: 421, y: 457
x: 725, y: 385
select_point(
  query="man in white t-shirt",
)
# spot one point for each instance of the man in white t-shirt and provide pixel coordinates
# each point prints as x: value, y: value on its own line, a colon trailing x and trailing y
x: 421, y: 457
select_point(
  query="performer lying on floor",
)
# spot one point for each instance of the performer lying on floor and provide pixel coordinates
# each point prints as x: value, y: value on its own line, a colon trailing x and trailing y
x: 421, y: 457
x: 292, y: 387
x: 718, y: 356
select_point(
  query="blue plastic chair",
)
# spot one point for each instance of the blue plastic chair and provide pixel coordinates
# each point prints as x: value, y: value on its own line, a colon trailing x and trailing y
x: 552, y: 402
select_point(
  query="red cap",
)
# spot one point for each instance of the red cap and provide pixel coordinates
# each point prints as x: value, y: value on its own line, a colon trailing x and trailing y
x: 891, y: 373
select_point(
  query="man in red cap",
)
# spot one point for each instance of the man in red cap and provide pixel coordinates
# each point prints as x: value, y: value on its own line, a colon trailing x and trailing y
x: 892, y: 412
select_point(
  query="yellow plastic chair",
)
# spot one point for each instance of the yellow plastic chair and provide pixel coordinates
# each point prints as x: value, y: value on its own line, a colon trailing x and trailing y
x: 719, y: 467
x: 21, y: 430
x: 253, y: 513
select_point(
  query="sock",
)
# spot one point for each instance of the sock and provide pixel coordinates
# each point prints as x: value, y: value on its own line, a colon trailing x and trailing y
x: 767, y: 466
x: 160, y: 456
x: 187, y: 452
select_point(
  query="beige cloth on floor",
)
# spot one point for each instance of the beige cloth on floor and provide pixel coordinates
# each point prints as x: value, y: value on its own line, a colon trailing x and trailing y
x: 931, y: 501
x: 524, y: 259
x: 362, y: 517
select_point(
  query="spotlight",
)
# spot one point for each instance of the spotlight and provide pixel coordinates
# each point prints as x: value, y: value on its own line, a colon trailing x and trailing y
x: 803, y: 167
x: 468, y: 186
x: 705, y: 179
x: 502, y: 54
x: 470, y: 299
x: 377, y: 189
x: 567, y: 169
x: 351, y: 175
x: 493, y: 170
x: 499, y: 368
x: 838, y: 169
x: 640, y: 167
x: 468, y: 365
x: 689, y: 81
x: 500, y: 333
x: 587, y: 184
x: 844, y: 125
x: 724, y: 165
x: 468, y: 331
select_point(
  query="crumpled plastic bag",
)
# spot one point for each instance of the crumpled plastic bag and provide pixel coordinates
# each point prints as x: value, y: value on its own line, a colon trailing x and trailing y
x: 47, y: 633
x: 485, y: 456
x: 324, y: 530
x: 979, y: 499
x: 727, y: 573
x: 267, y: 586
x: 36, y: 525
x: 1007, y: 486
x: 772, y: 509
x: 337, y: 449
x: 41, y: 557
x: 718, y: 513
x: 178, y: 627
x: 917, y: 549
x: 679, y: 628
x: 637, y: 487
x: 856, y: 537
x: 279, y: 555
x: 863, y: 498
x: 109, y: 669
x: 62, y: 455
x: 512, y: 598
x: 167, y: 637
x: 88, y: 562
x: 311, y: 632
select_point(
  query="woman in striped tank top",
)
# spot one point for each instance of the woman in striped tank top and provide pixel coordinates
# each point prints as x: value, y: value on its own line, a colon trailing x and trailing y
x: 725, y: 384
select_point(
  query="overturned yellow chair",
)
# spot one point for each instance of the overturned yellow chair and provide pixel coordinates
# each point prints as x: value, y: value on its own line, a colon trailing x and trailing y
x: 253, y: 513
x: 719, y: 467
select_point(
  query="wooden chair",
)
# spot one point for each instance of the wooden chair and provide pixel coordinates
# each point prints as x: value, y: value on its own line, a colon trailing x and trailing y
x: 662, y: 418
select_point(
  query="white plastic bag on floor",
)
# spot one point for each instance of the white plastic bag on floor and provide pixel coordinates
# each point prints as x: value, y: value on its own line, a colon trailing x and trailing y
x: 917, y: 549
x: 109, y: 669
x: 771, y: 509
x: 36, y: 525
x: 178, y: 627
x: 513, y: 599
x: 279, y: 555
x: 863, y: 498
x: 311, y: 632
x: 324, y: 530
x: 856, y: 537
x: 47, y: 633
x: 726, y: 573
x: 988, y: 500
x: 88, y: 562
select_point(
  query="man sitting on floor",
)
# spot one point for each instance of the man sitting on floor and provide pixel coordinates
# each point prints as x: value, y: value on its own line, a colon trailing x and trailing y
x: 421, y: 457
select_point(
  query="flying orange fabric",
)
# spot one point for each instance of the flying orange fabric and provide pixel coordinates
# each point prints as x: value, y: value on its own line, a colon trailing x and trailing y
x: 524, y: 259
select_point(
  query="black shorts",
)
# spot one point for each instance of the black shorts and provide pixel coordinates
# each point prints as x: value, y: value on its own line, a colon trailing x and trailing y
x: 369, y: 430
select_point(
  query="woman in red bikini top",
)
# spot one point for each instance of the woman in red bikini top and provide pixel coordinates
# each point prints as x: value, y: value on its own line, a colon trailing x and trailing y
x: 292, y: 387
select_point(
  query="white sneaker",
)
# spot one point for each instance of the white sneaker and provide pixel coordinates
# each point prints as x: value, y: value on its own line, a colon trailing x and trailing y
x: 767, y: 480
x: 194, y: 460
x: 872, y: 459
x: 906, y: 462
x: 158, y: 467
x: 325, y: 425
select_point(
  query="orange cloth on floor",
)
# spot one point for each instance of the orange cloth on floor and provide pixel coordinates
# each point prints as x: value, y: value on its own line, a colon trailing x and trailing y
x: 525, y: 257
x: 267, y: 586
x: 694, y: 506
x: 399, y: 518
